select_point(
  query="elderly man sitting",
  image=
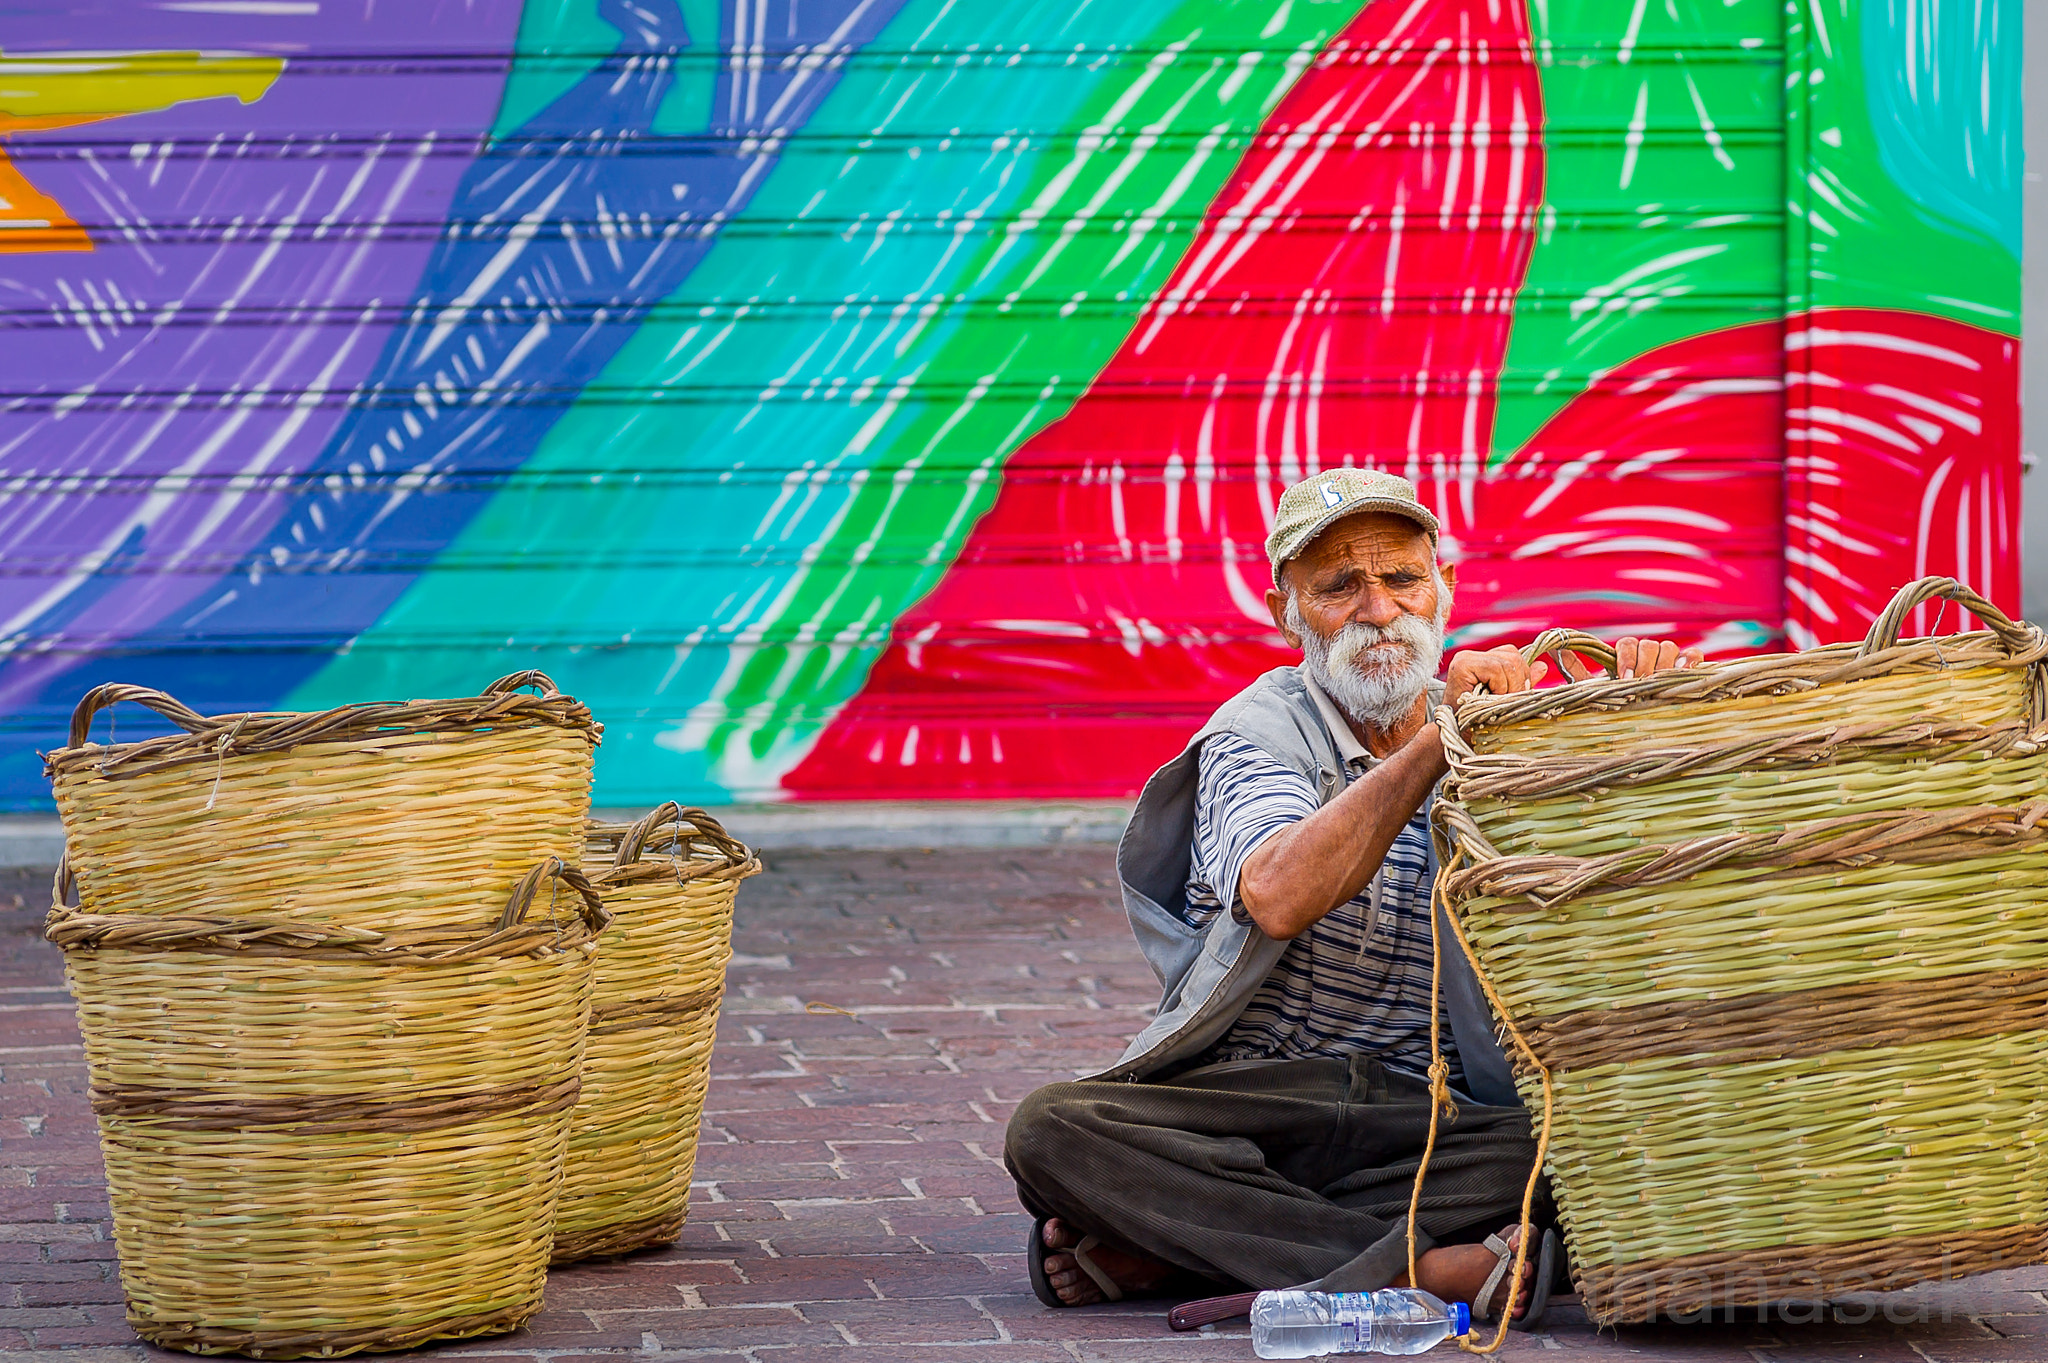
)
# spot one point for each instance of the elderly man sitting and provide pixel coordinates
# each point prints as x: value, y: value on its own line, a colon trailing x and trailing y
x: 1265, y: 1129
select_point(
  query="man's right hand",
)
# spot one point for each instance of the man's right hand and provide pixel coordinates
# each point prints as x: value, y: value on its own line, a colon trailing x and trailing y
x: 1501, y: 670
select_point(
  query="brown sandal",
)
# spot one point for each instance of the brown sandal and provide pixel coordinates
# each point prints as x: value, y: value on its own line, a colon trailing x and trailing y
x: 1544, y: 1261
x: 1041, y: 1285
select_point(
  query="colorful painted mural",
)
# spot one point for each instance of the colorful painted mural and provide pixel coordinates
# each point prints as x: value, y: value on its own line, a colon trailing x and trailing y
x: 858, y: 398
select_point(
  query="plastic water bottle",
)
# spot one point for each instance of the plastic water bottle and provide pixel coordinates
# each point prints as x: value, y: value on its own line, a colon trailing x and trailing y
x: 1394, y: 1320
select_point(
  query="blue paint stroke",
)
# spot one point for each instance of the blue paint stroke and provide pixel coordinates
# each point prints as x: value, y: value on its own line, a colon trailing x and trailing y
x: 1943, y: 81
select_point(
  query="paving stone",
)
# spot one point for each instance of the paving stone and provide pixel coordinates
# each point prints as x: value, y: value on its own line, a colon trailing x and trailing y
x: 920, y: 1351
x: 928, y: 1320
x: 824, y: 1288
x: 695, y: 1356
x: 71, y: 1293
x: 73, y: 1337
x: 1191, y: 1346
x: 730, y: 1212
x: 849, y: 1204
x: 742, y: 1328
x: 40, y: 1317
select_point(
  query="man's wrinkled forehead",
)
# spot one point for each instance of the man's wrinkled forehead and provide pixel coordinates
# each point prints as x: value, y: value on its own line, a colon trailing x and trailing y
x: 1377, y: 541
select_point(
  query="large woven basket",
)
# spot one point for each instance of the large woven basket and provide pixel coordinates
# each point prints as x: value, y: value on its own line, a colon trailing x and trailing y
x: 321, y: 1140
x: 668, y: 881
x: 1775, y: 932
x: 387, y: 816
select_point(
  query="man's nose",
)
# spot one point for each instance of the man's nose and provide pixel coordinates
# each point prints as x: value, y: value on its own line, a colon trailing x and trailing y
x: 1379, y: 608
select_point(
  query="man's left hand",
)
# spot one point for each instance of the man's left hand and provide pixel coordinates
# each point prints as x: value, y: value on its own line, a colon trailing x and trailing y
x: 1638, y: 658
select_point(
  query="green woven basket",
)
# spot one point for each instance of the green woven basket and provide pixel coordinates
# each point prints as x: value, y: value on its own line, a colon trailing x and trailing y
x: 1772, y: 934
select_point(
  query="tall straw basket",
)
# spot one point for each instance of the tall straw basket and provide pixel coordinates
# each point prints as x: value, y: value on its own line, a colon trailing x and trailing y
x: 1774, y: 937
x: 321, y: 1139
x: 386, y: 816
x: 668, y: 881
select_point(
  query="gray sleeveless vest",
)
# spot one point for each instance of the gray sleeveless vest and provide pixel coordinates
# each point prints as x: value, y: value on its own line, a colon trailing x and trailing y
x: 1208, y: 974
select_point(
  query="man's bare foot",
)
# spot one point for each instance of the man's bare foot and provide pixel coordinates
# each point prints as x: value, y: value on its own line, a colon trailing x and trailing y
x: 1128, y: 1271
x: 1457, y: 1272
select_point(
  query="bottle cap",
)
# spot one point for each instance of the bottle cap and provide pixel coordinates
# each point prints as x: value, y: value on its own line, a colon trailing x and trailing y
x: 1461, y: 1318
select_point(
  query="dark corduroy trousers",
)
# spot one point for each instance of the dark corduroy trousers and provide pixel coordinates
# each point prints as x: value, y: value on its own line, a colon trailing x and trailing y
x: 1269, y: 1174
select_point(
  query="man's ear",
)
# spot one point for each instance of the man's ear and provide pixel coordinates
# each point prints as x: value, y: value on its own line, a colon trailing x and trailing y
x: 1450, y: 574
x: 1276, y: 602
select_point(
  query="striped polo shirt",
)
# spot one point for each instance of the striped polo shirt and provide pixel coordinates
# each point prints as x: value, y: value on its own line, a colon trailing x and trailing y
x: 1358, y: 980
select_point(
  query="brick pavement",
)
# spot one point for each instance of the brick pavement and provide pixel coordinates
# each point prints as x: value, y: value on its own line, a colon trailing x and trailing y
x: 851, y: 1206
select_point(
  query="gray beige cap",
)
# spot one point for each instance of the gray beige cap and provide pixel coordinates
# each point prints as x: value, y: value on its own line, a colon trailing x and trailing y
x: 1308, y: 508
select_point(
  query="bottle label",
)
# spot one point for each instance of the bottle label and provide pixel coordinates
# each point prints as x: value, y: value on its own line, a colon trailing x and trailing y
x: 1352, y: 1312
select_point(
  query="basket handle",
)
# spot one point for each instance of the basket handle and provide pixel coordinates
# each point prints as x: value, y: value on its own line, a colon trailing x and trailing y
x: 514, y: 681
x: 702, y: 828
x: 113, y: 693
x: 554, y: 868
x: 635, y: 839
x: 1556, y: 642
x: 1884, y: 631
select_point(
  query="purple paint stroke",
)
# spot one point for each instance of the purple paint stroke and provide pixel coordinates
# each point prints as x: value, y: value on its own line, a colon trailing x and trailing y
x: 185, y: 209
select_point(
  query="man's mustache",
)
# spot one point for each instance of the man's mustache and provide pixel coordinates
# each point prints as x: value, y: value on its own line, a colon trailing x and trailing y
x: 1353, y: 643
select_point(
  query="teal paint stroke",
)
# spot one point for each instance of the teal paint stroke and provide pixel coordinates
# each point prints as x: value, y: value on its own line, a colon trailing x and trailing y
x: 1943, y: 79
x: 1870, y: 237
x: 560, y: 41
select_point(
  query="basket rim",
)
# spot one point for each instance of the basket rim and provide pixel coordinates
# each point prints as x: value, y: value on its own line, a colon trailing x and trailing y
x: 1760, y: 674
x: 75, y: 928
x: 2003, y: 643
x: 215, y: 738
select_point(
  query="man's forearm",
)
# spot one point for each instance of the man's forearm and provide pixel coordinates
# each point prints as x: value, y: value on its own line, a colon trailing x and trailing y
x: 1309, y: 868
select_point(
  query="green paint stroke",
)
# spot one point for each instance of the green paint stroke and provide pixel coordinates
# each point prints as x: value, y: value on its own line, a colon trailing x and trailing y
x: 1663, y: 178
x: 936, y: 465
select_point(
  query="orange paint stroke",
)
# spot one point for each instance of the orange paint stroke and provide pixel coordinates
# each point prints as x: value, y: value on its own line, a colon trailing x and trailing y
x: 31, y: 220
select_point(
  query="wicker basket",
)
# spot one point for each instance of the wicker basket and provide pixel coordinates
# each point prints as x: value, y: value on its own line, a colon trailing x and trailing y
x: 668, y: 881
x: 321, y: 1140
x: 1773, y: 933
x: 387, y: 816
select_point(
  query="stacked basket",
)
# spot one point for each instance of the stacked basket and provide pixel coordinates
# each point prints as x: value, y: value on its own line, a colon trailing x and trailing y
x: 334, y: 973
x: 1773, y: 935
x: 668, y: 882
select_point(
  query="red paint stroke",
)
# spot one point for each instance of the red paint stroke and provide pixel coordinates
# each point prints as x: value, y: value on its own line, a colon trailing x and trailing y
x: 1902, y: 444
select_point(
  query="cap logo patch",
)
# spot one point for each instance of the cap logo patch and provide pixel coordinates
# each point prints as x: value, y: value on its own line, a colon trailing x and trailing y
x: 1332, y: 495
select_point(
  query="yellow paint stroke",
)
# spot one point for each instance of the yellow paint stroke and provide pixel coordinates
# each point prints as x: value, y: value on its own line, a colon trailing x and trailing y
x: 49, y: 90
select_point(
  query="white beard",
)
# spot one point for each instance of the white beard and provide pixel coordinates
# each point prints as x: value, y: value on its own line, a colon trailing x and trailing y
x: 1376, y: 688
